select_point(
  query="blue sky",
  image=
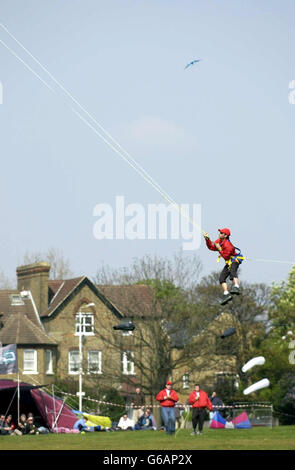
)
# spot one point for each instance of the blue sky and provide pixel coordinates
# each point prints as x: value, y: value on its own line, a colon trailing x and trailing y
x: 219, y: 134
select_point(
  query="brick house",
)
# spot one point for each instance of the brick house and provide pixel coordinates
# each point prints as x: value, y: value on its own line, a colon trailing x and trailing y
x: 45, y: 317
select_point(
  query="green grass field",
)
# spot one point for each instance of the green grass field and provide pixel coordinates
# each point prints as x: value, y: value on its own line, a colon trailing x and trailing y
x: 278, y: 438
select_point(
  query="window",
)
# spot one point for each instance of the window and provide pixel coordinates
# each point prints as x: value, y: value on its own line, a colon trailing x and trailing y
x: 127, y: 333
x: 226, y: 383
x: 87, y: 324
x: 48, y: 362
x: 127, y: 363
x: 74, y: 362
x: 30, y: 361
x: 16, y: 299
x: 185, y: 381
x: 94, y: 362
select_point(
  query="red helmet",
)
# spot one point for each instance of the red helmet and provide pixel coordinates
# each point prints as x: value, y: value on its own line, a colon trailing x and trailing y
x: 224, y: 230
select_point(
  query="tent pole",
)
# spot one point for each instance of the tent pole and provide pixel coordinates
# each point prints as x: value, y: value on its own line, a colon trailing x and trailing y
x: 61, y: 408
x: 53, y: 405
x: 18, y: 397
x: 45, y: 408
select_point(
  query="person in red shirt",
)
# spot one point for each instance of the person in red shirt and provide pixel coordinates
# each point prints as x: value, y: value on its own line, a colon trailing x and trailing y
x: 167, y: 398
x: 200, y: 402
x: 232, y: 261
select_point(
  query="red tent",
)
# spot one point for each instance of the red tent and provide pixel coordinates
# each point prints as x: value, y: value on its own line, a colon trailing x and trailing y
x: 48, y: 411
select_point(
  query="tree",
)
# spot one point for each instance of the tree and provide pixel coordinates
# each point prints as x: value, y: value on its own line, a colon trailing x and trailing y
x: 276, y: 345
x: 5, y: 282
x: 180, y: 328
x: 156, y: 294
x: 283, y: 304
x: 250, y: 316
x: 59, y: 265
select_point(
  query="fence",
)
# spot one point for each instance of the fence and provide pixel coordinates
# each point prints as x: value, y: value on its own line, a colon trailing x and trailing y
x: 259, y: 414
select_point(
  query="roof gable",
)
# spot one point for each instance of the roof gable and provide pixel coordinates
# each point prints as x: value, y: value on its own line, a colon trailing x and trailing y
x: 67, y: 289
x: 63, y: 289
x: 19, y: 329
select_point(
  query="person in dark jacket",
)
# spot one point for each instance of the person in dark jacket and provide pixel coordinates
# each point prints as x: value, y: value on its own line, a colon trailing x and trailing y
x: 138, y: 404
x: 144, y: 422
x: 217, y: 404
x: 30, y: 427
x: 232, y: 261
x: 19, y: 430
x: 4, y: 427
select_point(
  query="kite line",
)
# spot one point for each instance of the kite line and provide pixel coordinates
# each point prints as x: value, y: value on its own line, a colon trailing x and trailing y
x: 112, y: 142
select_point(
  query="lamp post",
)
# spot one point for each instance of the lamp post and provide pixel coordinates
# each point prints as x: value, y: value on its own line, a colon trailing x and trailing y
x: 80, y: 394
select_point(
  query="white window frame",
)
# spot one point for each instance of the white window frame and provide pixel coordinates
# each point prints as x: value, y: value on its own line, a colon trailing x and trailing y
x: 48, y: 363
x: 70, y: 361
x: 99, y: 369
x: 34, y: 360
x: 16, y: 299
x: 127, y: 363
x: 127, y: 333
x: 84, y: 325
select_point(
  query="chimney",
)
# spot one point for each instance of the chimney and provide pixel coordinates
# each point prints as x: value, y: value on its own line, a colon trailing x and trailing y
x: 34, y: 277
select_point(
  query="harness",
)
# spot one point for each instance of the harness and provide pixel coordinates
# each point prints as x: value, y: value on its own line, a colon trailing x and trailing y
x: 238, y: 258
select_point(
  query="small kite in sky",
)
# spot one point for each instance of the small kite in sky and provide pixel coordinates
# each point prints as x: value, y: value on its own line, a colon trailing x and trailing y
x: 191, y: 63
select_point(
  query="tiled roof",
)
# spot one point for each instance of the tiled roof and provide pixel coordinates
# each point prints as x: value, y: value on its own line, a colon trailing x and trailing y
x: 127, y: 300
x: 54, y: 285
x: 63, y: 290
x: 131, y: 300
x: 7, y: 308
x: 19, y: 329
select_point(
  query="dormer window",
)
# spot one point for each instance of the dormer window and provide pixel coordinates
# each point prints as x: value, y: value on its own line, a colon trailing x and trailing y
x: 16, y: 299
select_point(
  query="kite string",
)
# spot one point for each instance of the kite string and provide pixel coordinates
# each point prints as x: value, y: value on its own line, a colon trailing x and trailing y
x: 89, y: 115
x: 79, y: 105
x: 120, y: 151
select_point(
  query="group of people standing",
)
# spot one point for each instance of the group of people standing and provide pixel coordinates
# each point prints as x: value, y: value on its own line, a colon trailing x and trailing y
x: 141, y: 418
x: 198, y: 400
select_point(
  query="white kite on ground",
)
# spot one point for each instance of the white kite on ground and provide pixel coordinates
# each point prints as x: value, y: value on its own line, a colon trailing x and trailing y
x: 257, y: 386
x: 256, y: 361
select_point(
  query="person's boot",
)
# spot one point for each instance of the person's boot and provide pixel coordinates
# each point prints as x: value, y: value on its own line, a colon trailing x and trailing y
x: 225, y: 298
x: 235, y: 290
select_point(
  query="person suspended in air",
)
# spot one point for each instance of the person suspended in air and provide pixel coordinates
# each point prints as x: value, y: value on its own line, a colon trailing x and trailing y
x: 233, y: 258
